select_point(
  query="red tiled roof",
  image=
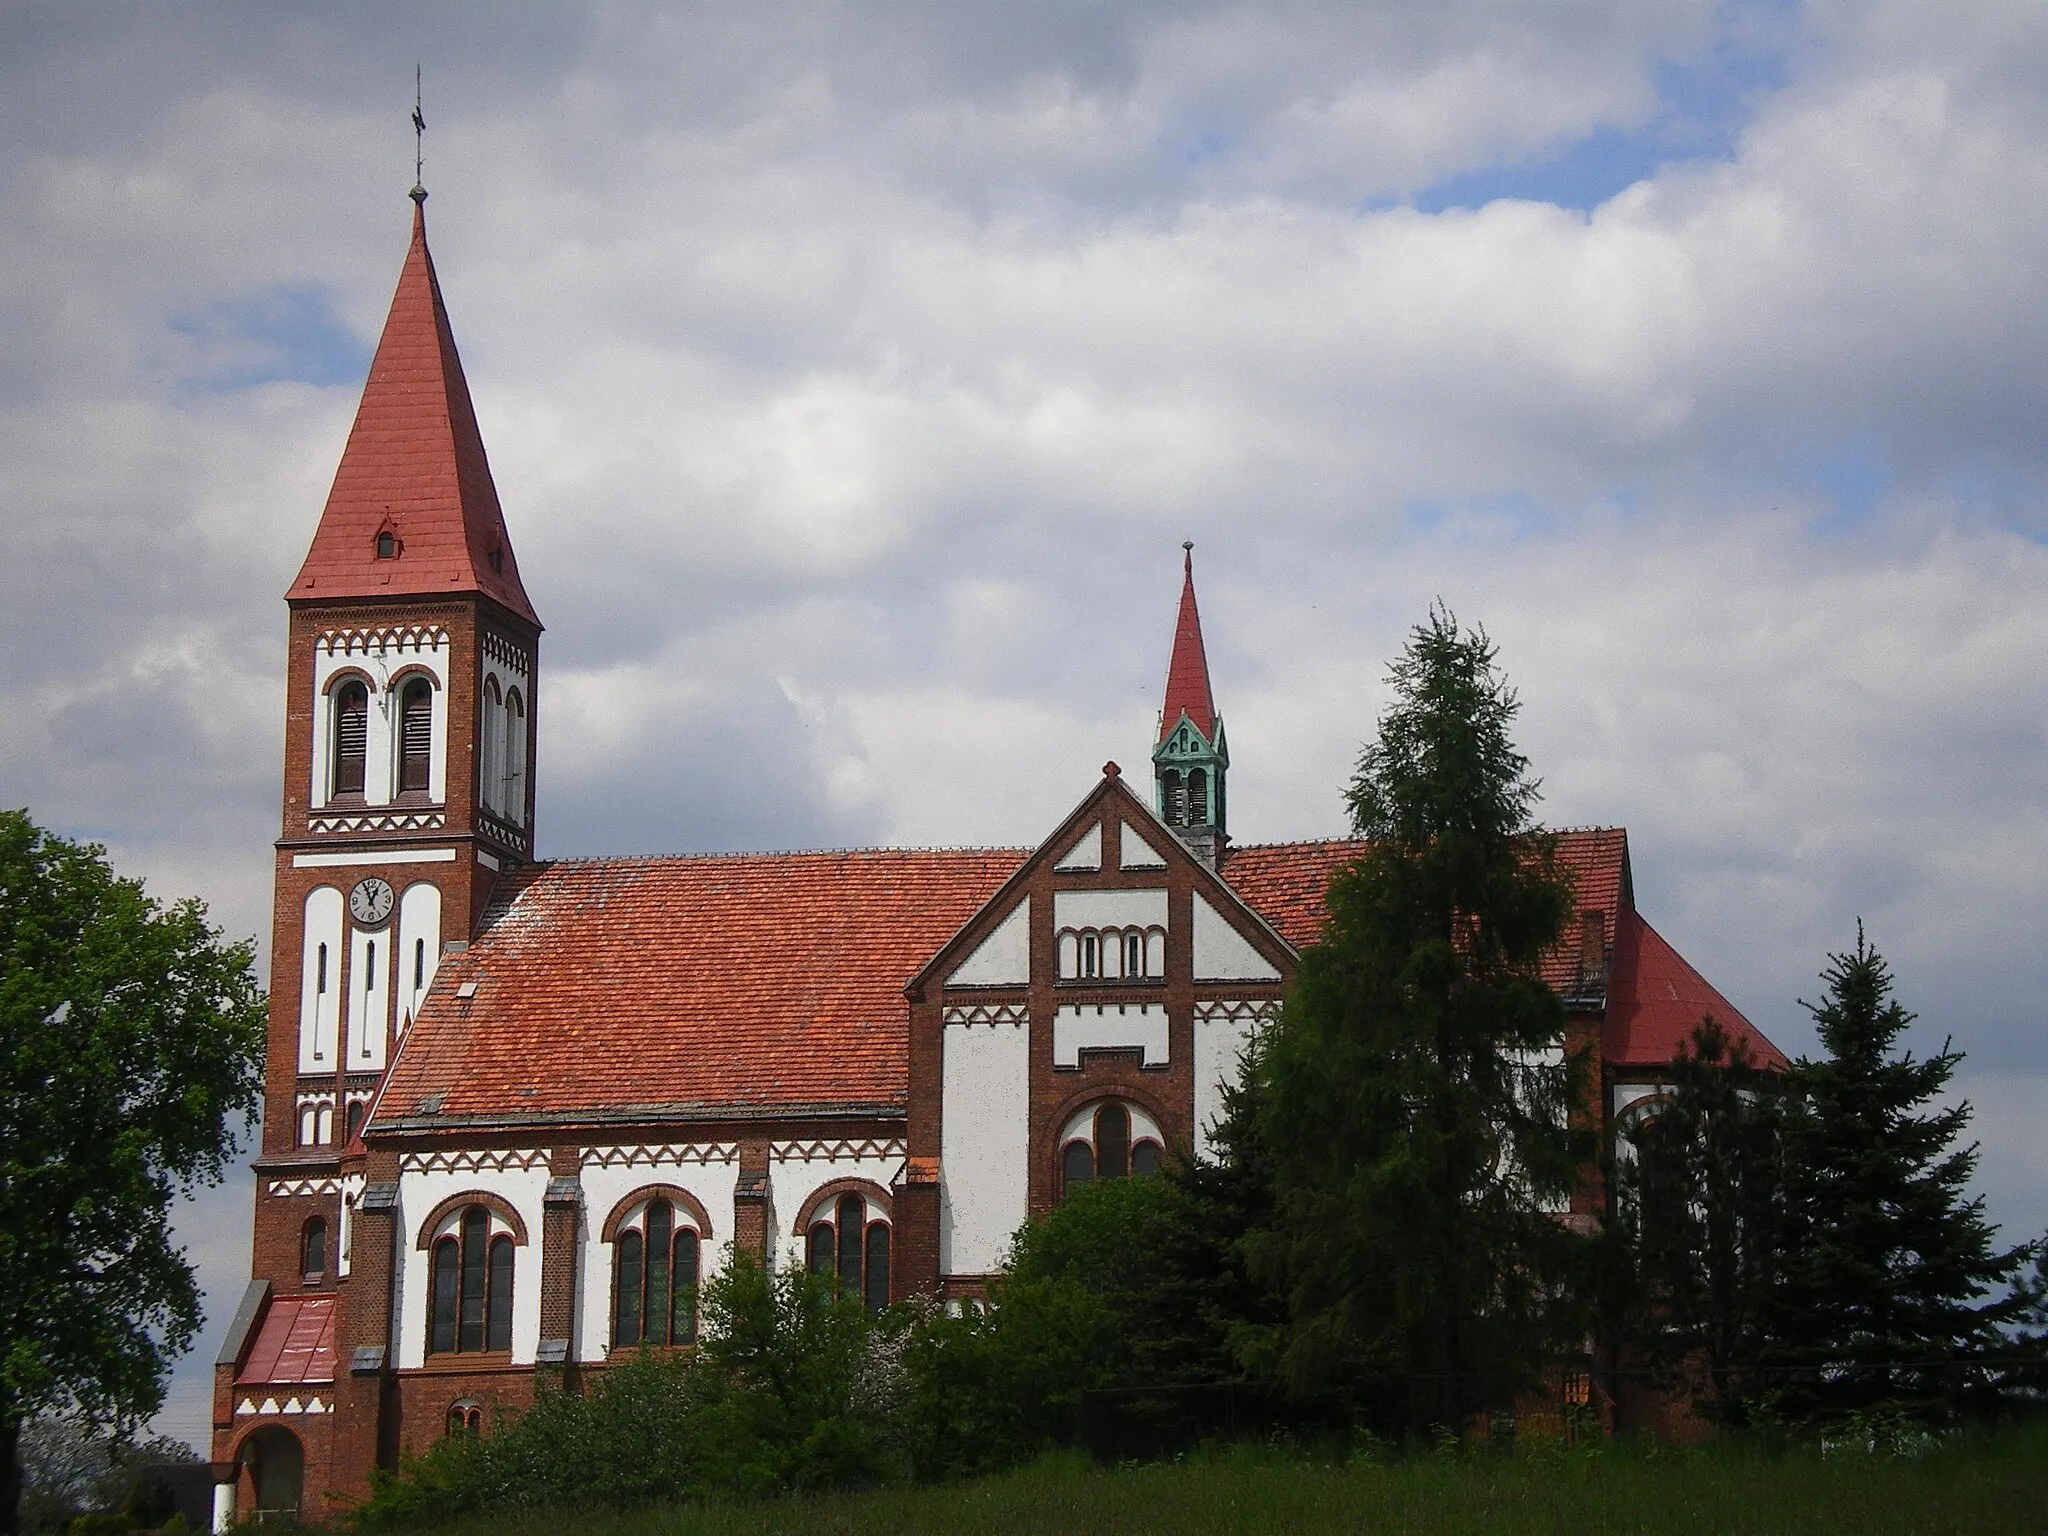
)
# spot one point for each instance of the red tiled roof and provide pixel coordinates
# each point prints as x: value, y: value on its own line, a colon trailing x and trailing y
x: 1284, y: 883
x: 679, y: 988
x: 1187, y: 675
x: 295, y: 1344
x: 1656, y: 1000
x: 414, y: 466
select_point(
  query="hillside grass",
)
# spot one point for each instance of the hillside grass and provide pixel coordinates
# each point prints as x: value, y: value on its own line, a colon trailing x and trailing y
x: 1991, y: 1483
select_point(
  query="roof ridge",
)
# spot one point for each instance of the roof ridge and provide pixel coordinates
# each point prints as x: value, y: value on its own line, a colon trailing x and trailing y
x: 778, y: 853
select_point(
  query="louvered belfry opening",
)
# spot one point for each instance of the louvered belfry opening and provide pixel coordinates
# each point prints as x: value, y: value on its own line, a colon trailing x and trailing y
x: 416, y: 737
x: 351, y: 738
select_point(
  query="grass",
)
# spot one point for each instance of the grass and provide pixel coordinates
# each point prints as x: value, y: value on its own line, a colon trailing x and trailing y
x: 1989, y: 1483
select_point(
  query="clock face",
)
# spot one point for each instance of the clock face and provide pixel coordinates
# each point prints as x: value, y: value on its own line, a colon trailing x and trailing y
x: 370, y: 902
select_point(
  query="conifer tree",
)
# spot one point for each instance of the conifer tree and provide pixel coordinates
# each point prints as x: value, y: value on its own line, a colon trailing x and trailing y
x: 1699, y: 1208
x: 1883, y: 1301
x: 1414, y: 1090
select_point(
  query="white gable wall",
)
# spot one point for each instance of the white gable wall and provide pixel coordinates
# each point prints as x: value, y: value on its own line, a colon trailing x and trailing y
x: 1004, y: 957
x: 1224, y: 954
x: 985, y: 1088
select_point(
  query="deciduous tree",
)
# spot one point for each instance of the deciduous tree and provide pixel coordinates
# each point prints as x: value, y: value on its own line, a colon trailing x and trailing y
x: 130, y: 1041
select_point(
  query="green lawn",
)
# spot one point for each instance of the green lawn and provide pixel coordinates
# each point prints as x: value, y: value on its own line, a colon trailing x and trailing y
x: 1997, y: 1484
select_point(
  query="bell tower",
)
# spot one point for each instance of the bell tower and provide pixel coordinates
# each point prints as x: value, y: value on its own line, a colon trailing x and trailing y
x: 412, y: 660
x: 1190, y: 757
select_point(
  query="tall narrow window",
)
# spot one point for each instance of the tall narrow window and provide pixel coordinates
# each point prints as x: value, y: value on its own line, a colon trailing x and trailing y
x: 683, y: 1298
x: 654, y: 1278
x: 490, y: 762
x: 819, y: 1245
x: 351, y: 737
x: 1077, y: 1164
x: 629, y: 1269
x: 852, y: 1214
x: 1091, y: 954
x: 498, y: 1330
x: 843, y: 1243
x: 446, y: 1281
x: 1198, y: 798
x: 1174, y: 798
x: 476, y: 1230
x: 313, y: 1249
x: 321, y: 985
x: 419, y: 964
x: 1134, y: 953
x: 513, y: 802
x: 1112, y: 1141
x: 875, y: 1276
x: 355, y: 1117
x: 471, y: 1285
x: 416, y: 737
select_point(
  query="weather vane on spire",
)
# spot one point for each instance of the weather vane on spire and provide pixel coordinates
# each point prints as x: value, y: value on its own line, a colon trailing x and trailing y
x: 419, y: 141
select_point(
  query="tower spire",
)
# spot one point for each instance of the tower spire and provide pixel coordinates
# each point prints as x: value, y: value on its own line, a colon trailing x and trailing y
x: 413, y: 510
x: 1189, y: 756
x: 419, y: 140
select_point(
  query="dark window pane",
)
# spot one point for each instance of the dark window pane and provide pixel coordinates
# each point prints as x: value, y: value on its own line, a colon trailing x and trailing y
x: 1112, y: 1141
x: 683, y: 1306
x: 416, y: 735
x: 660, y: 1226
x: 626, y: 1290
x: 1134, y: 954
x: 313, y: 1255
x: 351, y: 738
x: 447, y: 1263
x: 853, y: 1215
x: 476, y: 1231
x: 355, y: 1118
x: 875, y: 1284
x: 819, y: 1259
x: 1090, y: 960
x: 1145, y: 1159
x: 501, y: 1294
x: 1077, y: 1164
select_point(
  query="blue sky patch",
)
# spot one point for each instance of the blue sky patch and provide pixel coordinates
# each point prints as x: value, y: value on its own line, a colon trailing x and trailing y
x: 284, y: 334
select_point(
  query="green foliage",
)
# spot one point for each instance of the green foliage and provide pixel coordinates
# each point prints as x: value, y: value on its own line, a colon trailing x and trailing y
x: 1414, y: 1092
x: 1700, y: 1219
x: 1888, y: 1264
x: 130, y: 1038
x: 72, y: 1467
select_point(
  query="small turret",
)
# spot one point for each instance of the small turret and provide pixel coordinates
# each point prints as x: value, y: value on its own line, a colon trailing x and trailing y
x: 1190, y: 759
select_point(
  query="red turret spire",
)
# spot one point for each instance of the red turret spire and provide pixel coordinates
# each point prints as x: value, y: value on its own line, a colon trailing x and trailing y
x: 413, y: 509
x: 1187, y: 676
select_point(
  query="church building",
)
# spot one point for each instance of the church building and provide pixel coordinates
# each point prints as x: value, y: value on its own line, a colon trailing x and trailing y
x: 516, y: 1110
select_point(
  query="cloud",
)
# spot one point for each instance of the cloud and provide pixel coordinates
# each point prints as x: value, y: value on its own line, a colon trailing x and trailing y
x: 852, y: 375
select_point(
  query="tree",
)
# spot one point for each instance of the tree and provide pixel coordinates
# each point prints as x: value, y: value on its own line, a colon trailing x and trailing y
x: 130, y: 1037
x: 1700, y: 1215
x: 1882, y: 1304
x: 1415, y: 1089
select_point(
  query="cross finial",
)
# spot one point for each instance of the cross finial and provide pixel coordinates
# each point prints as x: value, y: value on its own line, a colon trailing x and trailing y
x: 419, y: 141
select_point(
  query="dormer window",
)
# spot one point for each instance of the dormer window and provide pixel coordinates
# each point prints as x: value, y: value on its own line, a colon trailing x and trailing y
x: 351, y: 737
x: 387, y: 545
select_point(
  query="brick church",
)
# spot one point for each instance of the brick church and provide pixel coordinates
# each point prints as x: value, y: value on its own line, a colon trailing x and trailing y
x: 516, y: 1109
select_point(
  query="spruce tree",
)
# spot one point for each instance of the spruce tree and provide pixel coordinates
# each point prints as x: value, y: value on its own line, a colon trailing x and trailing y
x: 1883, y: 1301
x: 1700, y: 1213
x: 1414, y: 1092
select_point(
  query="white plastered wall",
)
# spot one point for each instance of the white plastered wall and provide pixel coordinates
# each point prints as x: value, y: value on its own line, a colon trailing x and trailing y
x: 798, y: 1170
x: 1138, y: 852
x: 320, y: 1009
x: 1222, y: 1030
x: 381, y: 658
x: 420, y: 1189
x: 369, y: 998
x: 1086, y: 852
x: 1224, y: 954
x: 419, y: 946
x: 1078, y: 1027
x: 1109, y: 909
x: 709, y: 1171
x: 984, y: 1152
x: 1004, y: 957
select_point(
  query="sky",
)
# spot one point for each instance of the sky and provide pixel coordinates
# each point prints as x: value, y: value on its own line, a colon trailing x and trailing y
x: 852, y: 375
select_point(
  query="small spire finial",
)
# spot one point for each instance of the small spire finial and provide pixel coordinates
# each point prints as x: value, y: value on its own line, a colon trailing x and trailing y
x: 419, y: 141
x: 1187, y: 559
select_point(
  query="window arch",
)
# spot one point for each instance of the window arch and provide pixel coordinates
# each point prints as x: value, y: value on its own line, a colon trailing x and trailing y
x: 351, y: 746
x: 513, y: 800
x: 489, y: 754
x: 1112, y: 954
x: 416, y: 737
x: 657, y: 1251
x: 1109, y: 1139
x: 465, y: 1417
x: 470, y: 1284
x: 356, y: 1110
x: 313, y: 1249
x: 847, y: 1236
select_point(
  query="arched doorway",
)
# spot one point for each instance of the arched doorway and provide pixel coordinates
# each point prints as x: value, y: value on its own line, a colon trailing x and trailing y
x: 277, y: 1470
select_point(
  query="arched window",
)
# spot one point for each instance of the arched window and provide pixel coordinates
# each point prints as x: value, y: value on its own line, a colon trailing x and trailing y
x: 323, y: 1125
x: 1134, y: 953
x: 471, y: 1287
x: 465, y: 1418
x: 1091, y: 955
x: 313, y: 1248
x: 843, y: 1241
x: 387, y: 545
x: 1198, y: 798
x: 1174, y: 797
x: 490, y: 759
x: 1106, y: 1144
x: 513, y: 802
x: 416, y: 737
x: 351, y: 738
x: 654, y: 1278
x: 356, y: 1107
